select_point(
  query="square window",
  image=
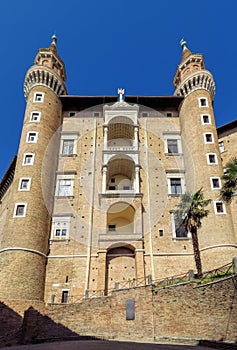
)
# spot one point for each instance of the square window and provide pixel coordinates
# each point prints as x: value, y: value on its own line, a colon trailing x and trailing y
x: 215, y: 183
x: 112, y: 180
x: 32, y: 137
x: 221, y: 146
x: 20, y: 210
x: 35, y: 117
x: 68, y: 147
x: 24, y: 184
x: 175, y: 186
x: 219, y: 208
x: 112, y: 228
x: 38, y: 97
x: 206, y: 119
x: 208, y: 138
x: 211, y: 158
x: 28, y: 159
x: 172, y: 146
x: 65, y: 188
x: 203, y: 102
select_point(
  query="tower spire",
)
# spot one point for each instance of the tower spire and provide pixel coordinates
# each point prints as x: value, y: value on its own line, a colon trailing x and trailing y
x: 53, y: 45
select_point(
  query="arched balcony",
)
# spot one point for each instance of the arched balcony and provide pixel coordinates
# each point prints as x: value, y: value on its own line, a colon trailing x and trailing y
x: 120, y: 174
x: 120, y: 135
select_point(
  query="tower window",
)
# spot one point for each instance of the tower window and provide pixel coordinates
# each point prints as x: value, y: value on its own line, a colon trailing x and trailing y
x: 20, y: 210
x: 211, y: 158
x: 206, y: 119
x: 39, y: 97
x: 175, y: 186
x: 35, y: 117
x: 203, y: 102
x: 172, y: 146
x: 208, y: 137
x: 32, y: 137
x: 24, y: 184
x: 219, y: 208
x: 28, y: 159
x: 215, y: 183
x: 221, y: 146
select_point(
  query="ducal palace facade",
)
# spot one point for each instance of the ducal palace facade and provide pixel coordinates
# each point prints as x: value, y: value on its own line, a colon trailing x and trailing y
x: 89, y: 199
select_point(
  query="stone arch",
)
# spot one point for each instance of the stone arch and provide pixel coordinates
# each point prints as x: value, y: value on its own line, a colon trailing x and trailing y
x: 120, y: 132
x: 120, y: 173
x: 120, y: 218
x: 120, y: 265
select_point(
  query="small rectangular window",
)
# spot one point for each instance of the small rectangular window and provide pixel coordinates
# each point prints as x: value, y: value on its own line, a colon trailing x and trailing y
x: 35, y: 117
x: 215, y: 183
x: 24, y: 184
x: 112, y: 188
x: 211, y: 158
x: 65, y: 188
x: 208, y: 137
x: 64, y: 296
x: 20, y: 210
x: 126, y: 188
x: 175, y: 186
x: 31, y: 137
x: 221, y: 146
x: 169, y: 114
x: 112, y: 228
x: 219, y: 208
x: 72, y: 114
x: 206, y: 119
x: 172, y: 146
x: 112, y: 180
x: 161, y: 232
x: 39, y: 97
x: 68, y: 147
x: 60, y: 232
x: 203, y: 102
x: 28, y: 159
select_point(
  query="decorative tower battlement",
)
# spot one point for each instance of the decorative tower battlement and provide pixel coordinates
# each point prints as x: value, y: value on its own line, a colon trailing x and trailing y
x: 191, y: 74
x: 48, y: 70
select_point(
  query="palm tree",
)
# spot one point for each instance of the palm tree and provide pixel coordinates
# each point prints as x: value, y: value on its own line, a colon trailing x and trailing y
x: 189, y: 212
x: 230, y: 181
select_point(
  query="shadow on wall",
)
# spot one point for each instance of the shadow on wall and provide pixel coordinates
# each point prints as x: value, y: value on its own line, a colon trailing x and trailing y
x: 32, y: 328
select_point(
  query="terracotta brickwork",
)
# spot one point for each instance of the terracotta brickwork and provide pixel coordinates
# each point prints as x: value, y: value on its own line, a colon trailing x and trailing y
x: 178, y: 312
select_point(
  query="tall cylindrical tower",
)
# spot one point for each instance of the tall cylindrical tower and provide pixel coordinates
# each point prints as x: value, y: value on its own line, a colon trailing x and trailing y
x: 203, y: 165
x: 25, y: 237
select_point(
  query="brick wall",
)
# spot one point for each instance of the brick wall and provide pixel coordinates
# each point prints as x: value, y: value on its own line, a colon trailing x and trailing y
x: 206, y: 312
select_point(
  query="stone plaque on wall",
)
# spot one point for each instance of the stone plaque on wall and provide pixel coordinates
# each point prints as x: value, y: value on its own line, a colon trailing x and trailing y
x: 130, y: 311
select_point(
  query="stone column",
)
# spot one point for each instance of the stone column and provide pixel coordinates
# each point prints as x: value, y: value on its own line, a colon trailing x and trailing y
x: 105, y: 136
x: 104, y: 180
x: 101, y: 270
x: 139, y: 258
x: 137, y: 180
x: 136, y: 137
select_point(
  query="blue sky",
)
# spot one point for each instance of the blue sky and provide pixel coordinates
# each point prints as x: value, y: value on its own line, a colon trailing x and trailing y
x: 108, y: 44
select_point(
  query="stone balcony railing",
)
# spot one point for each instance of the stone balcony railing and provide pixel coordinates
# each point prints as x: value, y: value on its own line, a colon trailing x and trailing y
x: 120, y: 148
x: 115, y: 236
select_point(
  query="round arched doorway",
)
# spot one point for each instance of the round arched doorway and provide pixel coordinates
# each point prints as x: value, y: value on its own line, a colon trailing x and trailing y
x: 120, y: 266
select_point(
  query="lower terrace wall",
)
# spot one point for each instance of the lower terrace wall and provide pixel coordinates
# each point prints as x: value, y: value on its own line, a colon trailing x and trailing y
x: 185, y: 311
x: 182, y: 311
